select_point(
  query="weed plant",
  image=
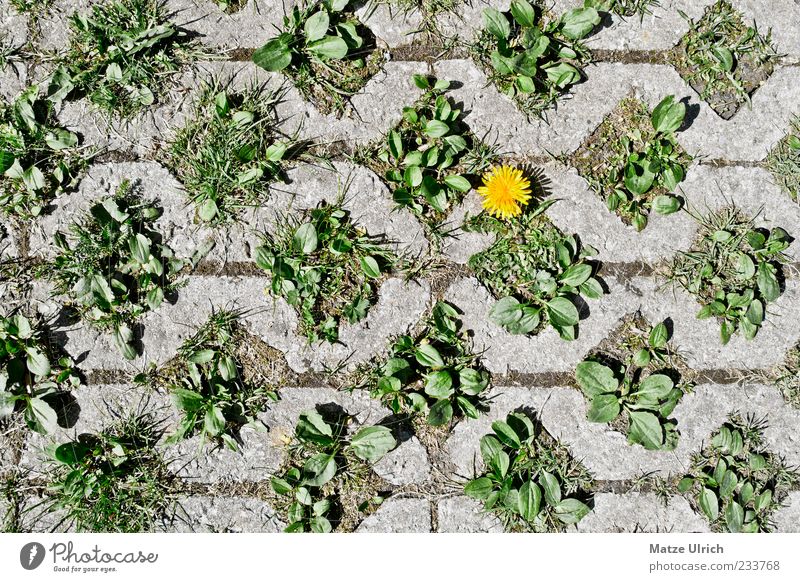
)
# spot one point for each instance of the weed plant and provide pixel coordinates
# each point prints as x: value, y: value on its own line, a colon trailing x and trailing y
x: 634, y: 161
x: 431, y: 373
x: 114, y: 481
x: 723, y: 59
x: 325, y: 267
x: 122, y: 55
x: 112, y: 267
x: 31, y: 375
x: 326, y: 51
x: 535, y: 272
x: 734, y: 269
x: 532, y: 57
x: 38, y: 159
x: 530, y: 482
x: 430, y: 159
x: 736, y: 482
x: 211, y: 386
x: 636, y: 387
x: 230, y: 151
x: 784, y: 161
x: 328, y: 476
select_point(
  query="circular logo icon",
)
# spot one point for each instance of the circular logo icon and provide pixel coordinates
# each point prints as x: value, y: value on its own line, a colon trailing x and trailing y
x: 31, y: 555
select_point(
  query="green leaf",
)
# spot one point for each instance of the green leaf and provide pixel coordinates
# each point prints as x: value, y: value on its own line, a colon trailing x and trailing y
x: 275, y: 55
x: 668, y: 115
x: 429, y: 356
x: 440, y: 413
x: 490, y: 449
x: 523, y: 13
x: 372, y: 443
x: 6, y: 161
x: 33, y: 178
x: 186, y: 400
x: 655, y: 386
x: 395, y: 144
x: 595, y: 378
x: 319, y: 469
x: 40, y: 416
x: 280, y: 486
x: 201, y: 356
x: 767, y: 282
x: 576, y: 275
x: 329, y: 47
x: 571, y: 511
x: 479, y: 488
x: 506, y: 311
x: 207, y: 210
x: 724, y: 56
x: 305, y: 238
x: 496, y: 23
x: 665, y: 204
x: 37, y: 362
x: 436, y: 128
x: 734, y: 517
x: 214, y: 422
x: 471, y: 381
x: 659, y: 336
x: 316, y: 26
x: 579, y: 22
x: 552, y: 489
x: 646, y: 429
x: 370, y: 267
x: 709, y: 504
x: 639, y: 177
x: 506, y: 434
x: 60, y: 139
x: 320, y: 524
x: 439, y: 384
x: 459, y: 183
x: 530, y: 500
x: 604, y: 408
x: 71, y: 453
x: 312, y: 427
x: 562, y: 312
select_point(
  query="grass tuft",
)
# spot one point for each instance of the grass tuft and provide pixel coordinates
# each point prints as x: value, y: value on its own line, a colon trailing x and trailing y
x: 784, y: 161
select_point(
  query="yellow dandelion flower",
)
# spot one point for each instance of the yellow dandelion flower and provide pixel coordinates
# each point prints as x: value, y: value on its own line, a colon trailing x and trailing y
x: 505, y: 191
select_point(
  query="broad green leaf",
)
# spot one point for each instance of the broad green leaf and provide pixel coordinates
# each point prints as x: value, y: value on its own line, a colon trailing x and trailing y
x: 472, y: 381
x: 207, y: 210
x: 734, y: 517
x: 523, y: 13
x: 709, y: 504
x: 429, y: 356
x: 305, y: 238
x: 552, y: 488
x: 316, y: 26
x: 370, y: 267
x: 767, y: 282
x: 312, y: 427
x: 530, y: 500
x: 275, y: 55
x: 655, y: 386
x: 372, y: 443
x: 577, y: 23
x: 506, y: 434
x: 668, y: 115
x: 562, y: 312
x: 571, y: 511
x: 201, y: 356
x: 440, y: 413
x: 40, y: 416
x: 329, y: 47
x: 439, y: 384
x: 319, y: 469
x: 459, y: 183
x: 506, y: 311
x: 659, y: 336
x: 664, y: 204
x: 603, y: 408
x: 646, y: 429
x: 479, y: 488
x: 186, y: 400
x: 37, y: 362
x: 214, y: 422
x: 496, y: 23
x: 436, y: 128
x: 576, y: 275
x: 595, y: 378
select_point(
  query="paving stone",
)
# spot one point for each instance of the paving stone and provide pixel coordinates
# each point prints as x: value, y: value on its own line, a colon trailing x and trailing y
x: 8, y: 240
x: 14, y: 35
x: 787, y: 518
x: 641, y: 513
x: 391, y: 25
x: 460, y: 514
x: 461, y: 245
x: 408, y: 464
x: 579, y: 209
x: 546, y: 351
x: 375, y: 108
x: 250, y: 27
x: 399, y: 515
x: 207, y: 514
